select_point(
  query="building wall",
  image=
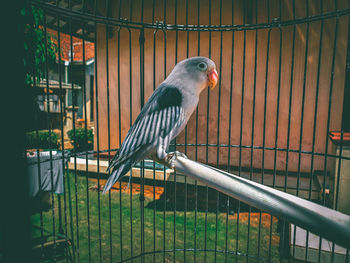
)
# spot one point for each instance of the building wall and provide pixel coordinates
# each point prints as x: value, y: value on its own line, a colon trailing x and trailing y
x: 243, y: 67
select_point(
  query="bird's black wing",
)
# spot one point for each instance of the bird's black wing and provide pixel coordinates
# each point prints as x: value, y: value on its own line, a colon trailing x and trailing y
x: 157, y: 123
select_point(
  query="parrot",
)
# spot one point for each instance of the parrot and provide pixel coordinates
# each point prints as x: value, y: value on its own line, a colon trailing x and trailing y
x: 163, y: 117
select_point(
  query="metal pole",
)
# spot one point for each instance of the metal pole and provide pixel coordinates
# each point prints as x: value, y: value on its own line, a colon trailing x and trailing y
x: 323, y: 221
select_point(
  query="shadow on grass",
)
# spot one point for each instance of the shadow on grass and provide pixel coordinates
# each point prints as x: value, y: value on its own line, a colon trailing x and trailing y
x: 181, y: 197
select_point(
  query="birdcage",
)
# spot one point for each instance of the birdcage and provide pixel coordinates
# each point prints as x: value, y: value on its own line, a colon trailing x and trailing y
x: 278, y: 117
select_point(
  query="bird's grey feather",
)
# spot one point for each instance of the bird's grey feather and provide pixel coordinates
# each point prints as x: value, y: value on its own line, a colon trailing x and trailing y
x: 153, y: 128
x: 162, y: 118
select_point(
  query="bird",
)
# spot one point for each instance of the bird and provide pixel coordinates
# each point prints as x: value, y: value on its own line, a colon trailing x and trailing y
x: 163, y: 117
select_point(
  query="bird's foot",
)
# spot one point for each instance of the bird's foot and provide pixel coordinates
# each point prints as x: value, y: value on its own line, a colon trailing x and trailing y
x: 170, y: 158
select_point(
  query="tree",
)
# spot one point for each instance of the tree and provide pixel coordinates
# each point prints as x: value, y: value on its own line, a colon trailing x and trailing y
x: 40, y: 50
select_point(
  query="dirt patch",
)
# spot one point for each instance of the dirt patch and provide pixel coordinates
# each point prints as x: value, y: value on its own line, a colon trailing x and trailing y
x: 136, y: 188
x: 255, y: 218
x: 275, y: 239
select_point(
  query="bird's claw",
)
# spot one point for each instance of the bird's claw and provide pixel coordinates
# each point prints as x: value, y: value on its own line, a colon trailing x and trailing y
x: 172, y: 156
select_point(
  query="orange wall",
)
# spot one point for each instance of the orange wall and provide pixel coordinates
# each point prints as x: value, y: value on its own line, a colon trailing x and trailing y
x: 231, y: 42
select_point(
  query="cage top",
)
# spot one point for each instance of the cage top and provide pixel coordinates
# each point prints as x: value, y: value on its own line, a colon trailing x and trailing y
x: 71, y: 16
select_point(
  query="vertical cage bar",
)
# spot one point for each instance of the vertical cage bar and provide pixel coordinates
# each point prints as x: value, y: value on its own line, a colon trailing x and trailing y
x: 328, y: 126
x: 86, y: 140
x: 97, y: 142
x: 241, y: 117
x: 71, y: 61
x: 154, y: 164
x: 253, y: 119
x: 276, y: 129
x: 316, y: 100
x: 175, y: 144
x: 142, y: 194
x: 290, y: 103
x: 130, y: 124
x: 264, y: 127
x: 218, y: 137
x: 302, y: 130
x: 71, y: 213
x: 207, y: 150
x: 196, y: 151
x: 62, y: 132
x: 108, y: 28
x: 290, y: 111
x: 230, y: 131
x: 164, y: 172
x: 142, y: 198
x: 120, y: 140
x: 50, y: 135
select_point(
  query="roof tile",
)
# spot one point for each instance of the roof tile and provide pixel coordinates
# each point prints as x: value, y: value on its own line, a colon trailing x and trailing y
x: 77, y: 44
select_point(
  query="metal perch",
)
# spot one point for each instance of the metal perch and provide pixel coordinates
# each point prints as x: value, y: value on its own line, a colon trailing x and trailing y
x: 323, y: 221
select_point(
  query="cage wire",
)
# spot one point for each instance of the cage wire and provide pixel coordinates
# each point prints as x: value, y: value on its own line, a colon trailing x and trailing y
x: 277, y: 117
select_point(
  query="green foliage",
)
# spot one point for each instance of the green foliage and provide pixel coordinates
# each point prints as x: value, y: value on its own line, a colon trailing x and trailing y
x: 42, y: 140
x: 81, y: 140
x: 37, y: 43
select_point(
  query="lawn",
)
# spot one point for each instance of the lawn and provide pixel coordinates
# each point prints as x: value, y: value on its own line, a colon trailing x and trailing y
x: 105, y: 227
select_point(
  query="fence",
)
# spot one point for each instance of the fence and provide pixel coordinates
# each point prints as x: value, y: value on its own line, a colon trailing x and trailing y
x: 278, y: 117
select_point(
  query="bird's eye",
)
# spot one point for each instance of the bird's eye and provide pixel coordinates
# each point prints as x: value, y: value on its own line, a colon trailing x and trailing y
x: 202, y: 66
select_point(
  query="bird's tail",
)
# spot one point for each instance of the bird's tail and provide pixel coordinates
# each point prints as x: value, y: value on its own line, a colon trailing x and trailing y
x: 118, y: 171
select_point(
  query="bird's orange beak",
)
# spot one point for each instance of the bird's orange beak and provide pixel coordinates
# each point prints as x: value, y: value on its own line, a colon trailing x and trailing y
x: 212, y: 78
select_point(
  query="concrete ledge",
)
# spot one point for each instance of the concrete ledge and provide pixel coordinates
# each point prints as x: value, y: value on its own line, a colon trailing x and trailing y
x: 180, y: 178
x: 94, y: 166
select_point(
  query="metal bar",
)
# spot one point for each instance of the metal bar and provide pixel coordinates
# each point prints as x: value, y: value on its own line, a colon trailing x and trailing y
x: 253, y: 114
x: 301, y: 135
x: 302, y: 130
x: 291, y: 85
x: 165, y: 182
x: 86, y: 152
x: 322, y: 221
x: 196, y: 149
x: 50, y: 133
x: 230, y: 128
x: 142, y: 96
x: 207, y: 149
x: 70, y: 212
x: 142, y: 168
x: 138, y: 25
x: 71, y: 60
x: 328, y: 126
x: 241, y: 123
x: 186, y: 142
x: 120, y: 142
x: 61, y: 128
x: 97, y: 142
x: 277, y: 126
x: 264, y: 119
x: 130, y: 122
x: 108, y: 28
x: 154, y: 164
x: 218, y: 136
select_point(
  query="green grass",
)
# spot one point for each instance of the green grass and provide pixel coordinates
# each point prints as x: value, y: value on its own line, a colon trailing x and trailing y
x: 158, y: 236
